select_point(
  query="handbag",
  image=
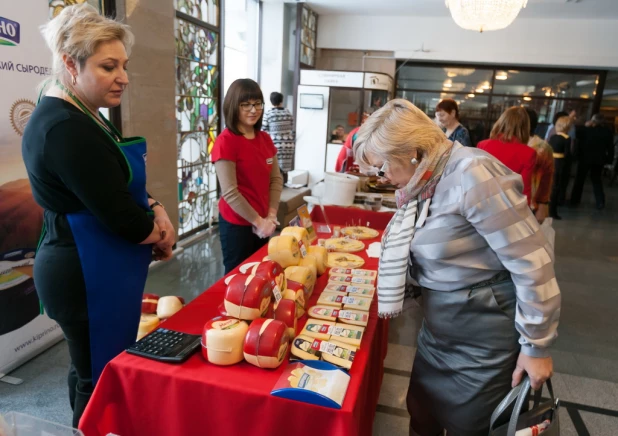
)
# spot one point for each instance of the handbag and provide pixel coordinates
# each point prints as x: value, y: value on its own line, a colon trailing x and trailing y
x: 540, y: 412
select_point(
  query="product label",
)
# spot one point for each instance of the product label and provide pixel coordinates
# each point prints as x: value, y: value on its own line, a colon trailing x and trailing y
x: 361, y: 280
x: 335, y: 313
x: 325, y: 328
x: 346, y: 333
x: 277, y: 294
x: 357, y: 290
x: 350, y: 300
x: 226, y: 325
x: 303, y: 249
x: 321, y: 311
x: 306, y: 346
x: 339, y: 298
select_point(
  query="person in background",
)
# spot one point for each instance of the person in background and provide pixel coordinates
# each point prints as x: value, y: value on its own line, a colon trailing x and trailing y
x: 597, y: 150
x: 248, y: 171
x: 447, y: 114
x: 543, y: 173
x: 376, y: 103
x: 551, y: 130
x: 495, y: 314
x: 561, y: 147
x: 279, y: 124
x: 101, y: 228
x: 345, y: 159
x: 508, y: 142
x: 338, y: 135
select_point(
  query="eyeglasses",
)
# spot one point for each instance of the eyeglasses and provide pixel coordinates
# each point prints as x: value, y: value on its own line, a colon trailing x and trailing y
x: 382, y: 170
x: 246, y: 107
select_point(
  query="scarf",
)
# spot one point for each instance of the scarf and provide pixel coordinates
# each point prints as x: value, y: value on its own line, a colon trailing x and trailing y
x: 395, y: 254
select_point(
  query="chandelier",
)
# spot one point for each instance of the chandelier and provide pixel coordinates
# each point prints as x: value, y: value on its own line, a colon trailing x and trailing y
x: 483, y: 15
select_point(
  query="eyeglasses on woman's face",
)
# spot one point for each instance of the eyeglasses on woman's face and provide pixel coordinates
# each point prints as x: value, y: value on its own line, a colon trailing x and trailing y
x: 382, y: 170
x: 248, y: 107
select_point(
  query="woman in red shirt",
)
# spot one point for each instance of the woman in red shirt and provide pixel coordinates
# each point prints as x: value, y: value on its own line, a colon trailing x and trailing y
x: 246, y: 164
x: 508, y: 142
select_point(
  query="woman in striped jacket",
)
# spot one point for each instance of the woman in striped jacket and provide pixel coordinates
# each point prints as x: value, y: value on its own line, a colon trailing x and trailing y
x: 463, y: 232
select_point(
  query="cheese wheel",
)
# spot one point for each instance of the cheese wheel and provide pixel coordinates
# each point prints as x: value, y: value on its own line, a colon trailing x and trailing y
x: 272, y: 272
x: 168, y: 306
x: 266, y: 343
x: 357, y: 303
x: 365, y: 273
x: 348, y: 334
x: 247, y: 297
x: 147, y: 324
x: 317, y: 328
x: 286, y: 313
x: 345, y: 260
x: 297, y: 296
x: 352, y: 280
x: 333, y: 299
x: 222, y: 340
x: 312, y: 263
x: 302, y: 275
x: 344, y: 245
x: 356, y: 317
x: 301, y: 348
x: 284, y: 250
x: 321, y: 255
x: 149, y: 303
x: 360, y: 232
x: 327, y: 313
x: 300, y: 233
x: 338, y: 353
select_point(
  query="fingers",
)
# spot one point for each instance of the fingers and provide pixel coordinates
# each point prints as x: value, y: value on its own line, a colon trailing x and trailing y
x: 517, y: 376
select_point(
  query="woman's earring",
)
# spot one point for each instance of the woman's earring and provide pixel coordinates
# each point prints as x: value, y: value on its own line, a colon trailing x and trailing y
x: 74, y: 80
x: 414, y: 161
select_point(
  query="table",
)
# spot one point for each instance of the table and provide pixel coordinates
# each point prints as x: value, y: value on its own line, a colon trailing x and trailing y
x: 137, y: 396
x: 352, y: 216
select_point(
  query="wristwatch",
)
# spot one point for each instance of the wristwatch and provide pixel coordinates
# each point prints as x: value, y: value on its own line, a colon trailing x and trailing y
x: 155, y: 204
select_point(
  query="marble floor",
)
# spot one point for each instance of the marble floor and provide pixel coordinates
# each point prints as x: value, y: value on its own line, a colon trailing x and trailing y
x: 585, y: 354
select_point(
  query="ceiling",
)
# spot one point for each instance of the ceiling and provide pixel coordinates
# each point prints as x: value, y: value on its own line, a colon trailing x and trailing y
x: 581, y: 9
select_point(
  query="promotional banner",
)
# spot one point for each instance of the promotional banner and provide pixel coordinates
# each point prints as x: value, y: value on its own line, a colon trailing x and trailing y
x: 25, y: 62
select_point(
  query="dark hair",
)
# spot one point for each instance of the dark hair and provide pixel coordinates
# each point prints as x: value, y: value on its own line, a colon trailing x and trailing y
x: 558, y: 115
x: 448, y: 105
x: 534, y: 120
x: 339, y: 125
x: 276, y: 98
x: 240, y: 91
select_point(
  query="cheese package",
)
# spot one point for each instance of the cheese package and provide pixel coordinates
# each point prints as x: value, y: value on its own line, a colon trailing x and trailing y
x: 301, y: 235
x: 321, y: 255
x: 347, y: 333
x: 365, y: 273
x: 284, y: 250
x: 317, y: 328
x: 357, y: 303
x: 333, y: 299
x: 352, y: 280
x: 327, y: 313
x: 360, y: 232
x: 336, y: 287
x: 302, y: 348
x: 310, y: 262
x: 356, y: 317
x: 272, y: 272
x: 297, y: 296
x: 147, y: 323
x: 149, y: 303
x: 266, y: 343
x: 222, y: 340
x: 335, y: 352
x: 344, y: 260
x: 247, y: 297
x: 286, y: 313
x: 350, y: 290
x: 168, y: 306
x: 302, y: 275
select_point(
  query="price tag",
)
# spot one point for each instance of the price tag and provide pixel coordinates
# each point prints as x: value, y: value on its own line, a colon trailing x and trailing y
x: 327, y: 347
x: 349, y: 300
x: 359, y: 280
x: 338, y: 331
x: 355, y: 290
x: 346, y: 314
x: 303, y: 250
x: 316, y: 344
x: 277, y: 294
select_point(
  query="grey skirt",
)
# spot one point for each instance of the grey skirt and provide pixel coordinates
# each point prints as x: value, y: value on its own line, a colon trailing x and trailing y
x: 467, y: 352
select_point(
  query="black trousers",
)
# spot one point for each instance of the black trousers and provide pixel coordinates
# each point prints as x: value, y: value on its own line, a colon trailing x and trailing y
x: 561, y: 180
x: 77, y: 335
x: 237, y: 243
x: 596, y: 173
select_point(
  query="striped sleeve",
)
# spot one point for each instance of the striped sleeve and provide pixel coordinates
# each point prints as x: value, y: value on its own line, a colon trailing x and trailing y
x: 494, y: 204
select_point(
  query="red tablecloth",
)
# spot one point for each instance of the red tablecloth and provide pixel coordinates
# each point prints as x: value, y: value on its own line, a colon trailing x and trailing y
x: 137, y: 396
x: 348, y: 216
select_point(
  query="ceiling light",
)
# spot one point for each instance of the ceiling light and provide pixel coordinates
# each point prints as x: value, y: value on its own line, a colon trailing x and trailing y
x: 501, y: 75
x: 451, y: 74
x: 486, y: 85
x: 584, y: 95
x: 448, y: 83
x: 483, y: 15
x: 526, y: 98
x: 548, y: 93
x: 471, y: 95
x: 479, y: 90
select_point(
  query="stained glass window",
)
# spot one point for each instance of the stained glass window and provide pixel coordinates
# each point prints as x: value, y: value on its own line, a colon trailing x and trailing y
x: 308, y: 36
x: 197, y: 115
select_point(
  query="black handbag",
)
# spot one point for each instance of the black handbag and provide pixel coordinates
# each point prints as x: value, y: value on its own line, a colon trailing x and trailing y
x: 539, y: 412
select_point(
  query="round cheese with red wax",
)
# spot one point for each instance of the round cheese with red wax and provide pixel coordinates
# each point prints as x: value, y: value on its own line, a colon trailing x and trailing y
x: 271, y: 271
x: 222, y: 340
x: 286, y: 312
x: 169, y: 305
x: 149, y: 303
x: 247, y: 297
x: 266, y: 343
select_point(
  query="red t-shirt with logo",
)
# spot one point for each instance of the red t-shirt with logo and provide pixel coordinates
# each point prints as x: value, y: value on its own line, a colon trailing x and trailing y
x: 254, y: 161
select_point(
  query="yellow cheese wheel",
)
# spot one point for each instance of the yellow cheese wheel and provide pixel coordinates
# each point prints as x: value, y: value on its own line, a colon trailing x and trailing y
x: 303, y: 275
x: 312, y: 263
x: 360, y: 232
x: 321, y: 256
x: 147, y: 323
x: 318, y: 328
x: 348, y: 334
x: 339, y: 353
x: 345, y: 260
x: 301, y: 348
x: 284, y: 250
x: 344, y: 245
x: 299, y: 233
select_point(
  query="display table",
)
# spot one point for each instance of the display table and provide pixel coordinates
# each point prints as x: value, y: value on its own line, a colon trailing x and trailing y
x: 352, y: 216
x: 137, y: 396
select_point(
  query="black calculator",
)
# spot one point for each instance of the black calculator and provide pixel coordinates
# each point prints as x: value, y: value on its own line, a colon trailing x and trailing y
x: 166, y: 346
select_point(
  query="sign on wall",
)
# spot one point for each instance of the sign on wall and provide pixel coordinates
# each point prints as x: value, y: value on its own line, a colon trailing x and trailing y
x: 378, y: 81
x: 344, y: 79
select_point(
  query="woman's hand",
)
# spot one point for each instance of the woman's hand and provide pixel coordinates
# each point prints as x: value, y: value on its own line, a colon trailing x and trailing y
x: 166, y: 228
x: 541, y: 213
x: 539, y: 369
x: 263, y: 227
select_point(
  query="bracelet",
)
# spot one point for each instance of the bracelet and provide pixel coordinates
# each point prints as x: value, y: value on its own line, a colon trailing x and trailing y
x: 155, y: 204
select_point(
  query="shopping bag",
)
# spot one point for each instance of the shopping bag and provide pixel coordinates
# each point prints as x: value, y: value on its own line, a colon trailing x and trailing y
x: 549, y: 232
x: 537, y: 416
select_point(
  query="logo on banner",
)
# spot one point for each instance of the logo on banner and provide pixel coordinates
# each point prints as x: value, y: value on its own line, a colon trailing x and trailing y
x: 9, y: 32
x: 20, y: 114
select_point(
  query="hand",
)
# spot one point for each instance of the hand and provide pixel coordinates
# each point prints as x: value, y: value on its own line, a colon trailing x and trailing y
x: 539, y: 369
x: 163, y: 254
x: 168, y: 234
x: 541, y: 213
x: 272, y: 216
x: 263, y: 227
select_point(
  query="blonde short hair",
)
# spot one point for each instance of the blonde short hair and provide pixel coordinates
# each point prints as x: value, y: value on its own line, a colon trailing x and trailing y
x: 395, y: 133
x: 563, y: 124
x: 514, y: 123
x: 78, y: 31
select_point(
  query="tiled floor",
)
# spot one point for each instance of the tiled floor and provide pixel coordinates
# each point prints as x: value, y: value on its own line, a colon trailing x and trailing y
x: 585, y: 355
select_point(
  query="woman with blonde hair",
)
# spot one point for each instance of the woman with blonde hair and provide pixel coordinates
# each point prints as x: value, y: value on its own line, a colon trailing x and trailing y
x: 463, y: 232
x: 561, y: 146
x: 101, y: 228
x: 508, y: 142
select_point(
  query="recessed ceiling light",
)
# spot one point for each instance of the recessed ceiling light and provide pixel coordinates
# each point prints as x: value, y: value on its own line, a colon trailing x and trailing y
x: 526, y: 98
x: 501, y: 75
x: 471, y: 95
